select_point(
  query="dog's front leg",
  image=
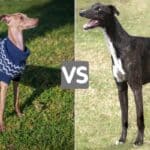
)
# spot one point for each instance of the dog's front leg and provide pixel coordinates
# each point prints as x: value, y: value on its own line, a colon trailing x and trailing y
x: 3, y: 94
x: 123, y: 98
x: 16, y: 98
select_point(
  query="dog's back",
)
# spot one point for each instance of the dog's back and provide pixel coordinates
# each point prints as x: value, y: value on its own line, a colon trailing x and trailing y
x: 130, y: 61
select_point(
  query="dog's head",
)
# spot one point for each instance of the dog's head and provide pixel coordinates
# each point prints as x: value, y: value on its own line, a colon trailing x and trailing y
x: 99, y: 15
x: 19, y: 20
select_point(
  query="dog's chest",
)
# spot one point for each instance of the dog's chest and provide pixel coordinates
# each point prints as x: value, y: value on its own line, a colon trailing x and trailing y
x: 117, y: 68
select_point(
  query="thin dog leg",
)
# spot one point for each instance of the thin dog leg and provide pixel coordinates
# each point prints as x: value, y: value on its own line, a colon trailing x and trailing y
x: 16, y: 98
x: 140, y: 117
x: 135, y: 82
x: 123, y: 98
x: 3, y: 93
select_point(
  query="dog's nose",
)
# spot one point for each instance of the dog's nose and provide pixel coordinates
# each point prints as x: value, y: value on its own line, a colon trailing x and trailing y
x: 82, y: 13
x: 37, y: 20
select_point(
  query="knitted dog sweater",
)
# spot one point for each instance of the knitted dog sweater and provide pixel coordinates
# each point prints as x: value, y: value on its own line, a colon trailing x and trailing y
x: 12, y: 60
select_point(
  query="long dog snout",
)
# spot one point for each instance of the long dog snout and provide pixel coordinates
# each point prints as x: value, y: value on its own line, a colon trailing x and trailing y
x: 82, y: 13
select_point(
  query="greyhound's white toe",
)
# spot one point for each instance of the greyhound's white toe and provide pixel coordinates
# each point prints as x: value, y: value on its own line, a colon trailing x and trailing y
x: 119, y: 142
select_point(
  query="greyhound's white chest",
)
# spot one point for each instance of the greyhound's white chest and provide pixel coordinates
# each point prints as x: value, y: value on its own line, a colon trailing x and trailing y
x: 118, y: 71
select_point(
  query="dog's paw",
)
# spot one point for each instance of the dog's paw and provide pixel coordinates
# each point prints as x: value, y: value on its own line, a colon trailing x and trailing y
x: 19, y: 114
x: 2, y: 128
x: 119, y: 142
x: 138, y: 143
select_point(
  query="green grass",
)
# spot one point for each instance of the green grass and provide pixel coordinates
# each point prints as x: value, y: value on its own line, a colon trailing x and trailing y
x: 97, y: 110
x: 48, y: 120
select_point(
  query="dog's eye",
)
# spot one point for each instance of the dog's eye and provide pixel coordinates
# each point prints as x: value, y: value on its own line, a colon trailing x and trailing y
x: 99, y: 9
x: 96, y: 8
x: 21, y: 18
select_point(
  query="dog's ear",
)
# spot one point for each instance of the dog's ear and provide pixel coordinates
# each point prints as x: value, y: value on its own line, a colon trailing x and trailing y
x: 114, y: 10
x: 4, y: 18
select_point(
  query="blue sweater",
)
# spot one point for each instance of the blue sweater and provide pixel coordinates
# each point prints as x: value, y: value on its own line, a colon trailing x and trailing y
x: 12, y: 60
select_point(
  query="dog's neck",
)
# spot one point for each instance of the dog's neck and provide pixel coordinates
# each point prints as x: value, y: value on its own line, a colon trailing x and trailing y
x: 115, y: 35
x: 16, y: 37
x: 116, y: 32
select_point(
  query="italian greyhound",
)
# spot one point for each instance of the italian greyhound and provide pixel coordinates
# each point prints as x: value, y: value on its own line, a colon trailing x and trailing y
x: 13, y: 55
x: 130, y: 61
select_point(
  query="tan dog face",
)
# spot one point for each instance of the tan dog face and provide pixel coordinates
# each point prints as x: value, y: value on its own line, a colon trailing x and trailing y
x: 19, y: 20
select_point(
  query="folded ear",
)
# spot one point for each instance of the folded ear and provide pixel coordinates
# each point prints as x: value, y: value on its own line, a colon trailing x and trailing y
x: 114, y: 10
x: 4, y: 18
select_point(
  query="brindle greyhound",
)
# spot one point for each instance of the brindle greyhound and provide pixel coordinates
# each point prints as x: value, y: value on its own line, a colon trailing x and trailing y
x: 16, y: 24
x: 130, y: 61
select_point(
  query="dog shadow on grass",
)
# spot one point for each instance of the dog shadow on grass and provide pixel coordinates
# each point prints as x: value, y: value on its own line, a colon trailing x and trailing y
x: 40, y: 78
x: 52, y: 15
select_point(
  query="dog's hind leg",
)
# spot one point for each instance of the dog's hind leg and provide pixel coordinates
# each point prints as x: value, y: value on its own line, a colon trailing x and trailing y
x: 135, y: 82
x: 3, y: 93
x: 16, y: 98
x: 140, y: 117
x: 123, y: 98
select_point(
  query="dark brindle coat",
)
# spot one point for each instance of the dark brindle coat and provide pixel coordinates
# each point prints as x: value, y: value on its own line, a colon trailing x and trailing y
x: 130, y: 60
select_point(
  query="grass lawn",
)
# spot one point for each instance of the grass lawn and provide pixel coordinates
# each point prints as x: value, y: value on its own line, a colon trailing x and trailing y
x: 48, y: 120
x: 97, y: 109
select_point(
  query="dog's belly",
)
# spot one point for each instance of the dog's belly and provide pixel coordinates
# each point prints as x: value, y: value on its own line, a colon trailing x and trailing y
x: 146, y: 68
x: 145, y: 80
x: 146, y: 75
